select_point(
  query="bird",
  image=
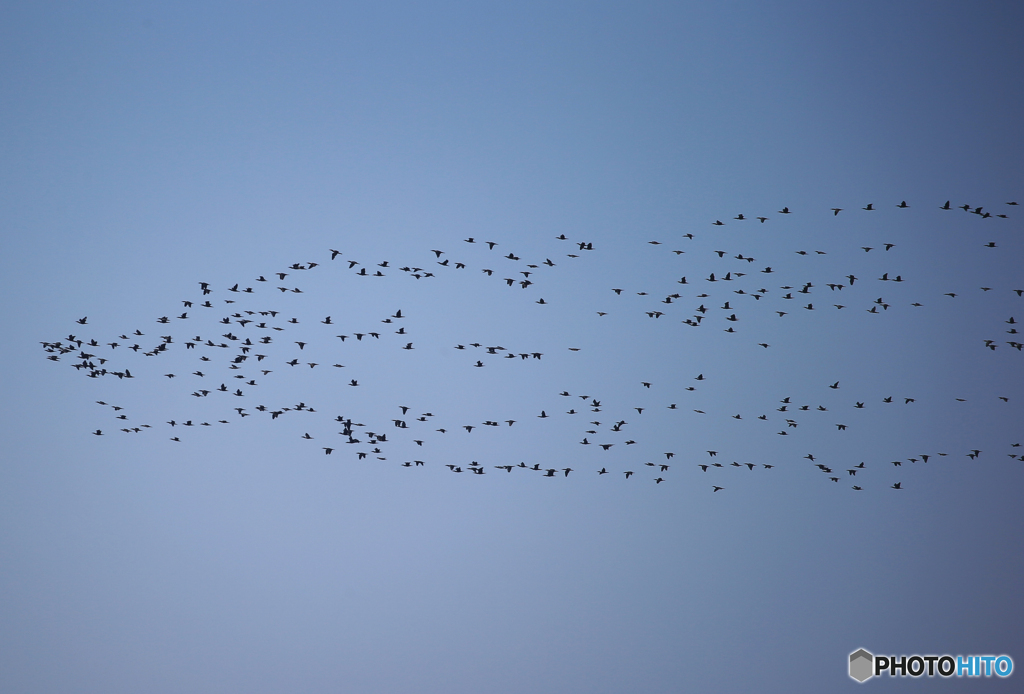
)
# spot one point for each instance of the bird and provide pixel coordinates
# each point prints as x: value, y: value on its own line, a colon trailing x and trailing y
x: 255, y: 325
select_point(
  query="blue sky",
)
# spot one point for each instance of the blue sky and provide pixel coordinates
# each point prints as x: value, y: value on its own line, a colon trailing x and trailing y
x: 149, y: 148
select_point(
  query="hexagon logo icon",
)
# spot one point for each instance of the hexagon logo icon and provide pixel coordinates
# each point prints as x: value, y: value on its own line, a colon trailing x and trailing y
x: 861, y: 665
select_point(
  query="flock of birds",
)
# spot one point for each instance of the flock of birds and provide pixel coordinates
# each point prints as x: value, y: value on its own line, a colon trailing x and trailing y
x: 247, y: 337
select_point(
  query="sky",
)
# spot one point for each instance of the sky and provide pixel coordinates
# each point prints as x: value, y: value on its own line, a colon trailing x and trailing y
x: 149, y: 148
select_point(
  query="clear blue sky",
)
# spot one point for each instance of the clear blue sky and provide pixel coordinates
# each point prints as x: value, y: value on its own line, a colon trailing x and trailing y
x: 147, y: 147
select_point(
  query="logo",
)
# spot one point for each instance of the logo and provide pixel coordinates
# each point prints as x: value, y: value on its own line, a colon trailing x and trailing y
x: 861, y: 665
x: 864, y: 665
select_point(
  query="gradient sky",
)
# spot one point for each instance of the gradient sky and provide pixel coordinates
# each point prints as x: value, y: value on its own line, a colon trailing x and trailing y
x: 148, y: 147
